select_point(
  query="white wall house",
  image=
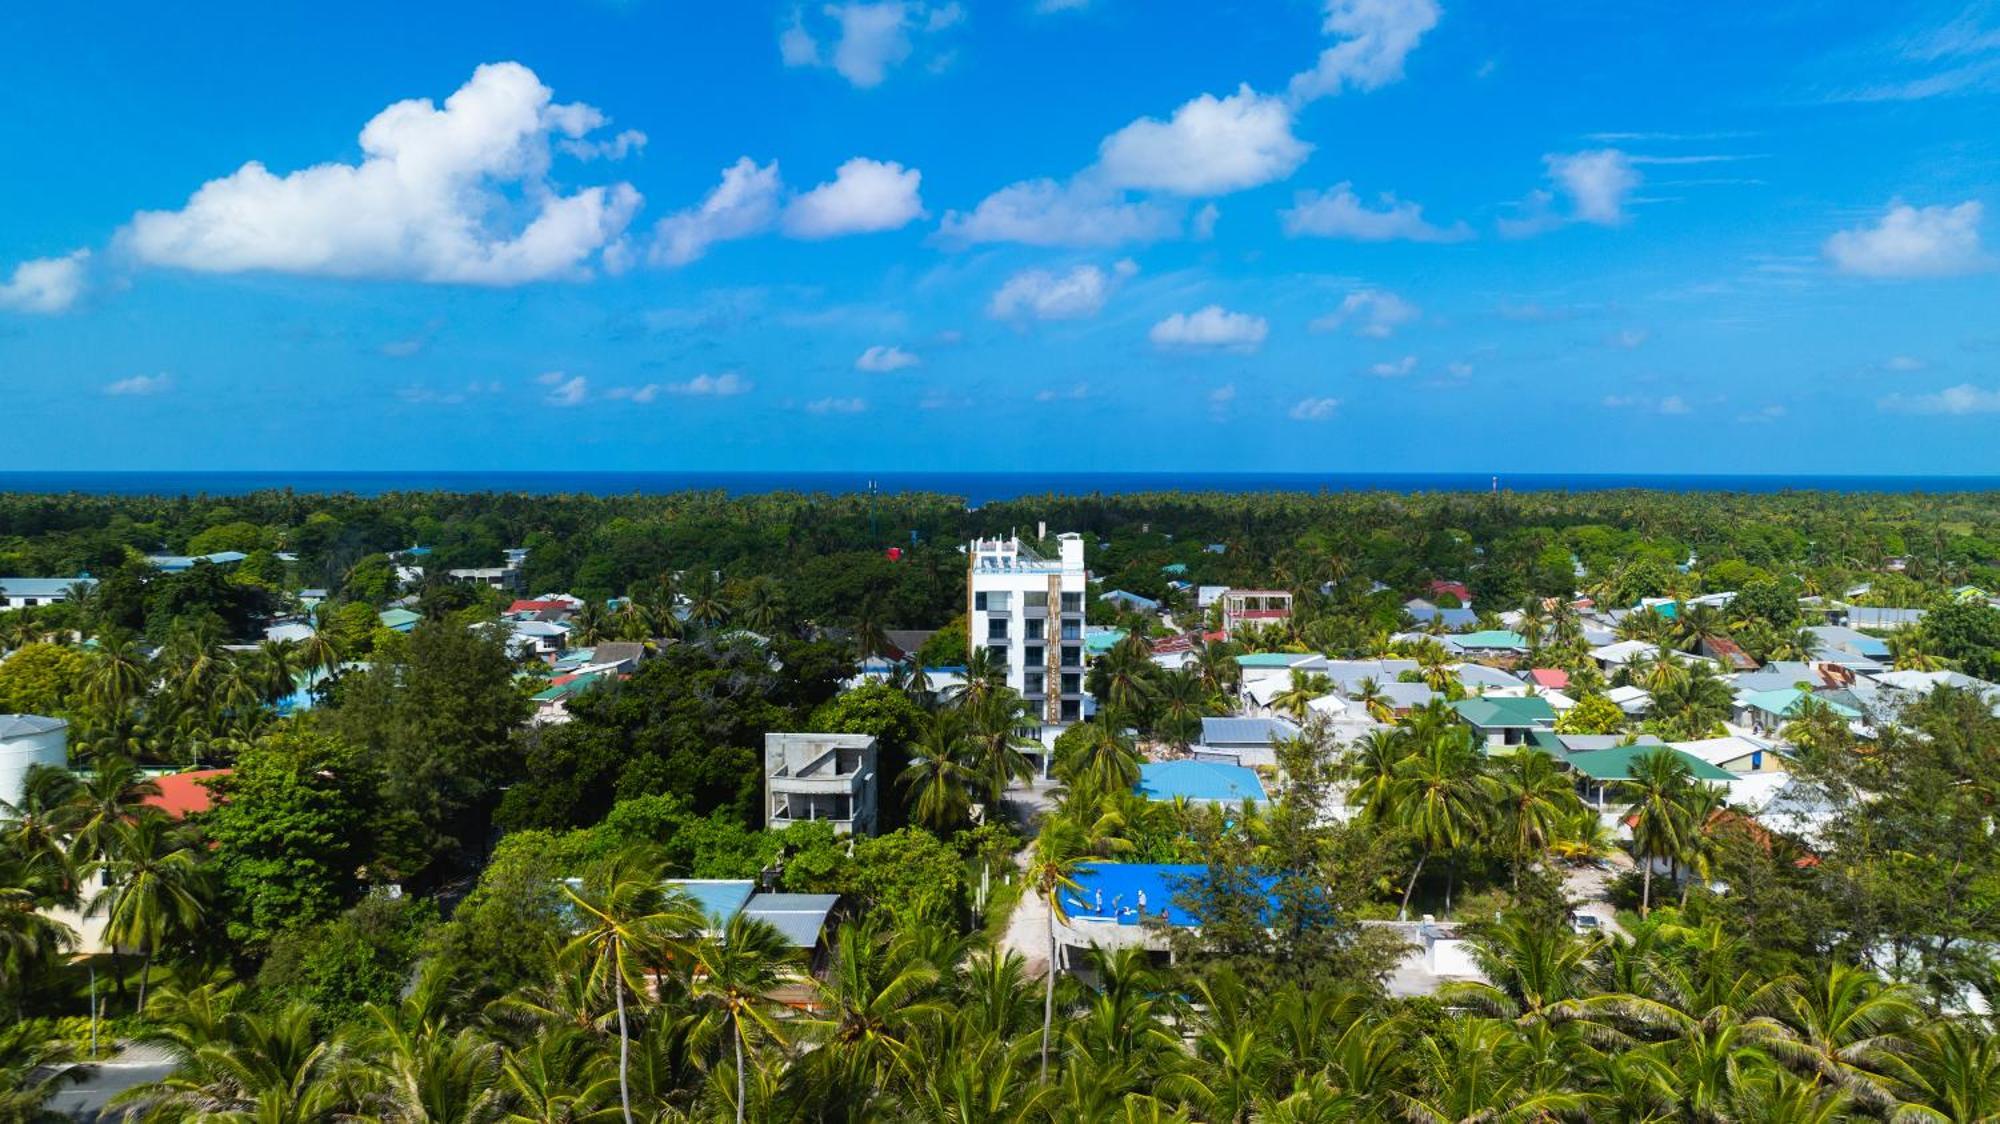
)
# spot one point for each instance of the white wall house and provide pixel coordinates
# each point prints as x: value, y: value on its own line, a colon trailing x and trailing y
x: 1028, y: 612
x: 27, y: 593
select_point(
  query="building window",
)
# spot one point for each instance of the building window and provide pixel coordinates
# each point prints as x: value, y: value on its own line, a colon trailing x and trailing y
x: 979, y: 602
x: 998, y: 652
x: 1072, y: 630
x: 1071, y: 683
x: 1072, y: 656
x: 1036, y: 599
x: 997, y: 601
x: 1032, y: 655
x: 1036, y: 627
x: 1072, y: 602
x: 1070, y: 710
x: 996, y: 628
x: 1032, y: 683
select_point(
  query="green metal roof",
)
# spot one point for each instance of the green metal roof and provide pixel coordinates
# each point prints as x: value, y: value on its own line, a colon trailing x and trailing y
x: 1502, y: 712
x: 1785, y: 701
x: 399, y: 619
x: 1615, y: 764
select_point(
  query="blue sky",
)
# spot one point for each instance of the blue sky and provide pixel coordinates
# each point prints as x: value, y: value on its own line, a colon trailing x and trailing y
x: 1003, y: 234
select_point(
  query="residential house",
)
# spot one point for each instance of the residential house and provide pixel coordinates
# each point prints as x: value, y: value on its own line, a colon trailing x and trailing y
x: 1883, y: 620
x: 1243, y: 741
x: 820, y: 777
x: 1767, y: 712
x: 28, y: 593
x: 1255, y: 607
x: 1127, y: 600
x: 1199, y: 782
x: 178, y: 563
x: 1500, y: 722
x: 1735, y: 754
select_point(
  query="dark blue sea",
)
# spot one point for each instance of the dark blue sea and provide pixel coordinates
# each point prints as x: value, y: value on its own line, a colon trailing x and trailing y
x: 977, y: 487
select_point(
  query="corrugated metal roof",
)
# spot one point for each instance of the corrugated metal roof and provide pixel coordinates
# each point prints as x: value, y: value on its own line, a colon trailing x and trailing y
x: 27, y: 725
x: 1245, y: 731
x: 1199, y: 781
x: 799, y: 918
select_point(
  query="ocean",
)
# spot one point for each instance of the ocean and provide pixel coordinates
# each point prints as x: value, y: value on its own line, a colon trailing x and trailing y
x: 977, y: 487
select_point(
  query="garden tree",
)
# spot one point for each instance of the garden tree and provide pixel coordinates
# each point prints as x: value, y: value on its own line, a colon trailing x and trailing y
x: 365, y: 955
x: 946, y: 647
x: 1768, y: 602
x: 1967, y: 632
x: 1689, y: 703
x: 46, y: 679
x: 370, y: 581
x: 993, y: 728
x: 435, y: 721
x: 292, y: 830
x: 1303, y: 688
x: 1184, y: 700
x: 205, y: 590
x: 1592, y: 714
x: 690, y: 722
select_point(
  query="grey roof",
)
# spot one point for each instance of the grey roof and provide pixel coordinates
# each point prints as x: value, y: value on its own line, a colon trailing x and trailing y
x: 1407, y: 696
x: 1245, y: 731
x: 27, y: 725
x: 41, y: 587
x: 1867, y: 617
x: 799, y: 918
x: 619, y: 651
x: 1452, y: 618
x: 1479, y: 675
x: 1348, y: 674
x: 1776, y: 675
x: 908, y: 640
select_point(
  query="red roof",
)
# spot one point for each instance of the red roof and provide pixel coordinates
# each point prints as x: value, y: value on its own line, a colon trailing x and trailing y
x: 184, y: 794
x: 1554, y: 678
x: 539, y: 606
x: 1456, y: 589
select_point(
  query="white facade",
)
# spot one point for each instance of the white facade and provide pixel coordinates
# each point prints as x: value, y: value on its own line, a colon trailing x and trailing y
x: 1028, y: 612
x: 27, y: 593
x: 27, y: 740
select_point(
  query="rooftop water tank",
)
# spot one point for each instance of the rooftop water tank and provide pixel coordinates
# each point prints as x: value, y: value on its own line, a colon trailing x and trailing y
x: 27, y: 740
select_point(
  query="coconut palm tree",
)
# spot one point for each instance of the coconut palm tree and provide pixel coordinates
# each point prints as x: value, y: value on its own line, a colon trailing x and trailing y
x: 734, y: 976
x: 1535, y: 800
x: 1658, y: 788
x: 1374, y: 700
x: 625, y: 922
x: 1295, y: 700
x: 944, y: 771
x: 154, y: 888
x: 1052, y: 873
x: 248, y: 1065
x: 994, y: 730
x: 1443, y: 796
x: 874, y: 1011
x: 1101, y: 759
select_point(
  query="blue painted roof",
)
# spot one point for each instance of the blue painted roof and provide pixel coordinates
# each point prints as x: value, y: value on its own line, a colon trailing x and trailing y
x: 1109, y: 891
x: 1199, y: 781
x: 1453, y: 618
x: 719, y: 898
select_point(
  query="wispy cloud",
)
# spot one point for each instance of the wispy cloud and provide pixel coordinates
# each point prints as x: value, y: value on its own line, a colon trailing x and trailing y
x: 1314, y: 409
x: 837, y: 406
x: 139, y: 386
x: 1959, y: 400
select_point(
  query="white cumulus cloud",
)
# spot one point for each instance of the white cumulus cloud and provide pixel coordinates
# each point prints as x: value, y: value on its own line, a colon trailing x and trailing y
x: 565, y: 390
x: 45, y: 284
x: 458, y: 193
x: 1315, y: 409
x: 863, y: 197
x: 139, y: 386
x: 883, y: 358
x: 725, y: 385
x: 1374, y: 38
x: 744, y: 204
x: 864, y: 40
x: 1962, y: 399
x: 1211, y: 328
x: 1596, y: 183
x: 1393, y: 368
x: 1043, y: 295
x: 1911, y: 241
x: 1210, y: 146
x: 1340, y: 213
x: 1375, y: 313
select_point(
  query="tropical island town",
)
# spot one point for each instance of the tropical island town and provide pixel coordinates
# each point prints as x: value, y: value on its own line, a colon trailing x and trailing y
x: 1171, y: 806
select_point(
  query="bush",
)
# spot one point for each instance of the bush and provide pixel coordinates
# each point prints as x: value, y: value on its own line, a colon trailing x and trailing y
x: 363, y: 956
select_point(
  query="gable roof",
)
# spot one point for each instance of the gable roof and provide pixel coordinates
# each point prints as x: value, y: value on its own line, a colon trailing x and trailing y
x: 183, y: 794
x: 1615, y: 764
x: 799, y: 918
x: 1502, y: 712
x: 1785, y: 700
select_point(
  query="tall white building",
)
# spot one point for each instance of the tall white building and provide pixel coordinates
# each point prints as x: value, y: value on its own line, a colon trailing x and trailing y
x: 1028, y: 612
